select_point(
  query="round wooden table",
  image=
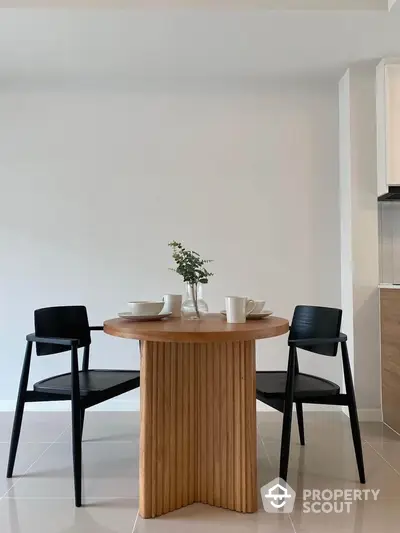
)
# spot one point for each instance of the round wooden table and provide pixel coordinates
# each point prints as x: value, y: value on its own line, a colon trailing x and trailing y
x: 198, y: 440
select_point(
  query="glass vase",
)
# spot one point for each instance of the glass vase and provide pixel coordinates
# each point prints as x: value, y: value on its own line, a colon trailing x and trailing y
x: 194, y: 307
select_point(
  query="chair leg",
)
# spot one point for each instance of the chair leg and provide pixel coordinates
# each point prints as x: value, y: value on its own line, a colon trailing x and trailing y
x: 300, y: 422
x: 19, y: 410
x: 76, y: 428
x: 16, y: 431
x: 287, y: 417
x: 285, y: 442
x: 77, y: 453
x: 82, y: 421
x: 355, y: 427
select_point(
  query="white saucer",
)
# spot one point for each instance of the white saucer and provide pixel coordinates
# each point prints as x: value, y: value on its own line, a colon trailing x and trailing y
x: 143, y: 318
x: 255, y: 316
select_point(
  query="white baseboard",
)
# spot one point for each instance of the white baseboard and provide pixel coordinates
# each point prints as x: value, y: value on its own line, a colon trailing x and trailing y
x: 366, y: 415
x: 307, y: 407
x: 116, y: 404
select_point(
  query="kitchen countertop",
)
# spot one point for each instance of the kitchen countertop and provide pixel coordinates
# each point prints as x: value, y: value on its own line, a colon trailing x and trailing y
x: 388, y: 286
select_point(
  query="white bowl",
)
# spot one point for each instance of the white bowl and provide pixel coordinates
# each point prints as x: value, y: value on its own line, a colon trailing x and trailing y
x: 145, y: 308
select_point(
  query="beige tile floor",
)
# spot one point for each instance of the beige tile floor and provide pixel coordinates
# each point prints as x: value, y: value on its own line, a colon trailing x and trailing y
x: 39, y: 499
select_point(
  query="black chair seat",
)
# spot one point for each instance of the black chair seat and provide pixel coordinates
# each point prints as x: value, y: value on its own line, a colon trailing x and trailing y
x: 90, y: 381
x: 273, y: 385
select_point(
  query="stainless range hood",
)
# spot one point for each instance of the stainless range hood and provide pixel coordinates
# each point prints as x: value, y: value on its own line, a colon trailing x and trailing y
x: 393, y: 194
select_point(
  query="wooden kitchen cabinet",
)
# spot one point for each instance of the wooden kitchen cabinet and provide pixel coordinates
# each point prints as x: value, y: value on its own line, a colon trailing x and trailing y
x: 390, y: 356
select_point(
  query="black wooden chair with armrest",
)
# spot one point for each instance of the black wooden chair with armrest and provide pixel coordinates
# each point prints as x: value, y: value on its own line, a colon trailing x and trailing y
x: 316, y: 330
x: 66, y: 329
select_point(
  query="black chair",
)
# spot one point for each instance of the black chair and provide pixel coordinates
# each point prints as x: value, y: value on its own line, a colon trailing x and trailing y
x: 317, y: 330
x: 62, y: 329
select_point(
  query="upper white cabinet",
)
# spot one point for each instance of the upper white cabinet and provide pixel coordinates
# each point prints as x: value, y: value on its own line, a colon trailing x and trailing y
x: 388, y: 125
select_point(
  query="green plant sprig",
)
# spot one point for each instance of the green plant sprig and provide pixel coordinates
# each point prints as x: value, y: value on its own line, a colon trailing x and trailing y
x: 189, y: 264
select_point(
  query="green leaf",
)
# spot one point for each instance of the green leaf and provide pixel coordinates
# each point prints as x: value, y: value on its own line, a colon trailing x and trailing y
x: 189, y: 264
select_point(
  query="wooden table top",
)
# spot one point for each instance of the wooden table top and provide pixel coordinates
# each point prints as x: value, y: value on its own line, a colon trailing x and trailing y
x: 212, y: 328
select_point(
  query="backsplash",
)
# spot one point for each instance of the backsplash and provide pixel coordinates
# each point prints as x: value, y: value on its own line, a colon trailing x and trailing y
x: 389, y: 242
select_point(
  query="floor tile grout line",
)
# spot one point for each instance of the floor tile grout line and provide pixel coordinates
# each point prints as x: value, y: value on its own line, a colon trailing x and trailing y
x: 292, y: 524
x: 34, y: 462
x: 135, y: 522
x: 384, y: 459
x: 30, y: 442
x: 90, y: 441
x: 72, y: 498
x: 105, y: 442
x: 394, y: 431
x: 37, y: 459
x: 95, y: 498
x: 265, y: 449
x: 269, y: 460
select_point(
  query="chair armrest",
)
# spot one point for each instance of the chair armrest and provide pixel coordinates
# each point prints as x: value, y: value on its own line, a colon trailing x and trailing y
x: 314, y: 342
x: 52, y: 340
x: 96, y: 328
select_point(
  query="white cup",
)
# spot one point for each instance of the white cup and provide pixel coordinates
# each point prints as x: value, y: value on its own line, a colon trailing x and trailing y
x: 237, y: 308
x: 173, y: 304
x: 259, y: 306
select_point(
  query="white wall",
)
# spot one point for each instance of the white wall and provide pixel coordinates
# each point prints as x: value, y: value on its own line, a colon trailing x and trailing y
x: 346, y: 213
x: 94, y: 183
x: 359, y: 232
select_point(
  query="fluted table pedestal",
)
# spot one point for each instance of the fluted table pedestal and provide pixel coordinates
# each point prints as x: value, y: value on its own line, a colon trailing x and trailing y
x: 198, y: 439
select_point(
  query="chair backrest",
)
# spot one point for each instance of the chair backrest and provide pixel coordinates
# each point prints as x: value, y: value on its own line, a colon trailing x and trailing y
x: 69, y: 322
x: 311, y: 322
